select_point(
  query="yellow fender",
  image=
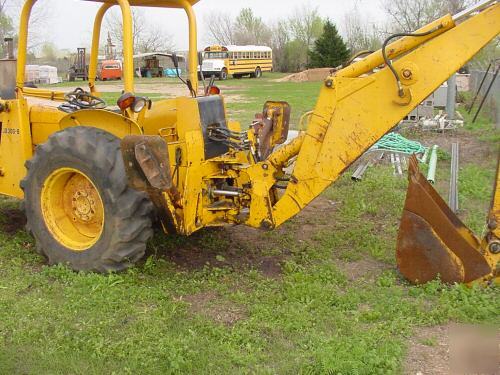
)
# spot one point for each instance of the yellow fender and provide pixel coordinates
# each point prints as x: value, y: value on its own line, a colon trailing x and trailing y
x: 114, y: 123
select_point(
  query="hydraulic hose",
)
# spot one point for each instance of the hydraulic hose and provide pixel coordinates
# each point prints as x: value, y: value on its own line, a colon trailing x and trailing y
x: 389, y: 63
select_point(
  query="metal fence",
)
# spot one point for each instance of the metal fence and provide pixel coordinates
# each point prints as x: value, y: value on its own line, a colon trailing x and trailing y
x: 492, y: 103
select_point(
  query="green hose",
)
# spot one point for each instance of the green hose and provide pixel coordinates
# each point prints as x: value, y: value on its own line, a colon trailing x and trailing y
x: 394, y: 142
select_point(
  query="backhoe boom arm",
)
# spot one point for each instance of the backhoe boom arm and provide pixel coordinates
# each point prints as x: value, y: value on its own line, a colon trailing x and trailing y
x: 356, y: 107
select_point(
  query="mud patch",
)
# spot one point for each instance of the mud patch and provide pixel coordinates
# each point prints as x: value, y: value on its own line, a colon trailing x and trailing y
x: 453, y: 349
x: 242, y: 247
x: 428, y: 352
x: 367, y: 268
x: 271, y: 267
x: 210, y: 305
x: 12, y: 220
x: 472, y: 150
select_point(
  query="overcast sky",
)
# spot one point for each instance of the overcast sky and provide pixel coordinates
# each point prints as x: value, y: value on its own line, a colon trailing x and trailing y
x: 71, y: 25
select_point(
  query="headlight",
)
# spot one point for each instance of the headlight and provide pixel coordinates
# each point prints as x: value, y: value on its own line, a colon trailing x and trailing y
x: 135, y: 103
x: 139, y: 104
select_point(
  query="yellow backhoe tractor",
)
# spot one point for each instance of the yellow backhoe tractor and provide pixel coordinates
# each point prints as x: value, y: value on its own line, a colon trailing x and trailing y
x: 94, y: 177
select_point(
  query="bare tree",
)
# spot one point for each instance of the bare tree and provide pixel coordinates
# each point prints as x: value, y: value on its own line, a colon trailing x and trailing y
x: 360, y: 34
x: 306, y: 26
x: 410, y: 15
x: 280, y: 37
x: 6, y: 24
x: 154, y: 40
x: 10, y: 11
x: 220, y: 28
x: 250, y: 29
x: 147, y: 37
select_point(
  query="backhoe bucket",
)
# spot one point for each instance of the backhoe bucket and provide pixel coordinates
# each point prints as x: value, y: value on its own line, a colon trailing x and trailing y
x: 432, y: 241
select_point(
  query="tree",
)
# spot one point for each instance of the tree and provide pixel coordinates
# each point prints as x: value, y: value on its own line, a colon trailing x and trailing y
x: 250, y: 29
x: 410, y: 15
x: 49, y: 52
x: 6, y: 24
x: 305, y: 26
x: 329, y: 49
x: 221, y: 28
x: 280, y: 37
x: 40, y: 17
x: 147, y: 37
x: 360, y: 35
x: 294, y: 56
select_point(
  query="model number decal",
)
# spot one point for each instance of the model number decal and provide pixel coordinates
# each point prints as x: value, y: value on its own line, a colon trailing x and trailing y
x: 10, y: 131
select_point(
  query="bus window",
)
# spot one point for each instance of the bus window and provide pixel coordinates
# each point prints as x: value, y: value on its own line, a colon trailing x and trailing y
x: 216, y: 55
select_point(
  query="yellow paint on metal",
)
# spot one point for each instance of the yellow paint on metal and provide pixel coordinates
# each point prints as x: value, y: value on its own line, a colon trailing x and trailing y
x: 22, y: 42
x: 94, y: 52
x: 494, y: 216
x: 356, y: 107
x: 193, y: 42
x: 72, y: 209
x: 44, y: 94
x: 15, y: 146
x: 397, y: 48
x: 154, y: 3
x: 112, y: 122
x: 341, y: 129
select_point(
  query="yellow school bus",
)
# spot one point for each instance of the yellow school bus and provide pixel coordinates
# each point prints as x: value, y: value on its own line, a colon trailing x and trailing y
x: 237, y: 61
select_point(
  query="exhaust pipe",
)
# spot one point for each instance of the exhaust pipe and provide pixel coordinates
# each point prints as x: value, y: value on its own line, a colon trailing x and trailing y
x: 9, y: 48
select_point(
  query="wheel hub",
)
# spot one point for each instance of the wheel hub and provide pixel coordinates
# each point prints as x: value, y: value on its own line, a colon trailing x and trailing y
x: 72, y: 209
x: 83, y: 205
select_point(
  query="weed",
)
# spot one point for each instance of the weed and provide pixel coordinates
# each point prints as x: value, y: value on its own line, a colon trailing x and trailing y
x: 323, y: 315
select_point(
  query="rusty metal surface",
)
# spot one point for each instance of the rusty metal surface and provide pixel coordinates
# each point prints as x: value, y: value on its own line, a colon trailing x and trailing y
x: 421, y: 255
x: 271, y: 126
x: 148, y: 169
x: 146, y: 162
x: 432, y: 241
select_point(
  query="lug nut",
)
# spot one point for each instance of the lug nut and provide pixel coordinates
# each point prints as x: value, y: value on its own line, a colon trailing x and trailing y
x: 495, y: 247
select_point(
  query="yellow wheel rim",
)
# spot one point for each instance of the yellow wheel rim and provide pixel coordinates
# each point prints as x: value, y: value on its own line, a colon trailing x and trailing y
x: 72, y: 209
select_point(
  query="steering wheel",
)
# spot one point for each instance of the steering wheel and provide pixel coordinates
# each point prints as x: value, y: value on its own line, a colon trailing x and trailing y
x: 80, y: 99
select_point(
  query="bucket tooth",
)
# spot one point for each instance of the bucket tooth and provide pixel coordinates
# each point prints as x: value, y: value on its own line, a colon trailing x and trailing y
x: 432, y: 241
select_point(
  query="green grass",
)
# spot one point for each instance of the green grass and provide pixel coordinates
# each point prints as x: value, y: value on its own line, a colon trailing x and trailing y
x: 250, y: 94
x: 215, y: 310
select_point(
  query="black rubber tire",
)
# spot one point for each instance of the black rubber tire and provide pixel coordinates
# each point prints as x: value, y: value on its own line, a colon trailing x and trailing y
x: 128, y: 212
x: 258, y: 73
x: 223, y: 74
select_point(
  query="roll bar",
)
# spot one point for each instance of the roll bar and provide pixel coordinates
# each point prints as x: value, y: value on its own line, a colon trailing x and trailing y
x: 128, y: 47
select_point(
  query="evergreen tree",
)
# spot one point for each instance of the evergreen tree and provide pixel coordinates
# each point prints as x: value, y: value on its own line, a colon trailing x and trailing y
x: 329, y: 49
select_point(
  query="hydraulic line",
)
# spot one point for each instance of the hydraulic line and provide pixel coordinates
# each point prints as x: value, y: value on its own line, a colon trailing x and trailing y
x: 389, y: 63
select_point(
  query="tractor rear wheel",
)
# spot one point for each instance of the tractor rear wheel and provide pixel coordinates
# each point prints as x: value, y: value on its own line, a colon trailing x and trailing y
x: 78, y: 204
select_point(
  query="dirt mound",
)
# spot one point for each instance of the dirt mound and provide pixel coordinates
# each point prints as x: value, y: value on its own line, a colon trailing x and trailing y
x: 309, y: 75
